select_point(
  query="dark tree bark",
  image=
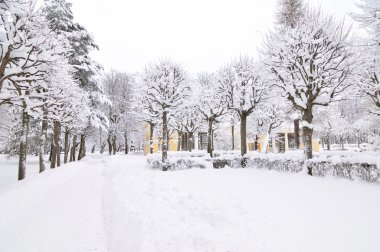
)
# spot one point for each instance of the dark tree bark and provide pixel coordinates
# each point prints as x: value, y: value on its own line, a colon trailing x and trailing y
x: 82, y: 147
x: 209, y: 137
x: 297, y: 133
x: 114, y: 146
x: 179, y: 140
x: 23, y: 144
x: 126, y: 142
x: 59, y: 155
x: 328, y: 141
x: 73, y: 149
x: 151, y: 128
x: 43, y: 139
x: 233, y: 137
x: 109, y: 141
x: 307, y: 131
x: 55, y: 151
x: 164, y: 140
x: 51, y: 151
x: 66, y: 145
x: 243, y: 133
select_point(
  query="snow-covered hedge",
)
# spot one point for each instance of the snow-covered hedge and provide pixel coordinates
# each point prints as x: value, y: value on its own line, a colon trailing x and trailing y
x: 341, y: 164
x: 365, y: 167
x: 178, y: 162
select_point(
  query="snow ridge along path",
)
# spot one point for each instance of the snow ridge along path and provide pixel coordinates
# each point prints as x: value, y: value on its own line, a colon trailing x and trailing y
x: 116, y: 204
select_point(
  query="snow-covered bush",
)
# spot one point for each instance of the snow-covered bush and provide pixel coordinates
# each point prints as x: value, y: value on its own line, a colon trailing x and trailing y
x: 350, y: 166
x: 179, y: 163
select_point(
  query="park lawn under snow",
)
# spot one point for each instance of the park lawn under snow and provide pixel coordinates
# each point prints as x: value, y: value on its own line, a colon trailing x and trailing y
x: 117, y: 204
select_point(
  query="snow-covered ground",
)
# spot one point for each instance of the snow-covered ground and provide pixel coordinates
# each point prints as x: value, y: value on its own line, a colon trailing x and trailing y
x: 9, y: 169
x: 116, y: 204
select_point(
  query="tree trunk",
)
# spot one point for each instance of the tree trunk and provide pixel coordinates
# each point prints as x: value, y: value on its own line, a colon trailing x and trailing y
x: 55, y: 150
x: 23, y: 144
x: 243, y: 133
x: 323, y: 142
x: 190, y: 141
x: 179, y: 141
x: 151, y: 138
x: 209, y: 137
x: 164, y: 140
x: 102, y: 147
x: 51, y: 151
x: 267, y: 139
x: 73, y: 149
x: 307, y: 133
x: 66, y: 146
x: 82, y: 147
x: 126, y: 142
x: 328, y: 141
x: 297, y: 133
x: 114, y: 148
x: 43, y: 139
x: 233, y: 137
x: 109, y: 141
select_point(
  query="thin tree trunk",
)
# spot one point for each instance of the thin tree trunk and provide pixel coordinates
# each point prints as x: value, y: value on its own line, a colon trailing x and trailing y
x: 55, y: 150
x: 164, y: 140
x: 212, y: 139
x: 126, y: 142
x: 102, y: 147
x: 267, y: 139
x: 209, y: 137
x: 243, y: 133
x: 109, y: 141
x: 66, y: 146
x: 114, y: 148
x: 43, y: 139
x: 59, y: 145
x: 328, y: 141
x: 82, y: 147
x: 23, y: 144
x: 233, y: 137
x: 297, y: 133
x: 307, y: 133
x: 190, y: 141
x: 51, y: 151
x: 151, y: 138
x: 179, y: 140
x: 73, y: 149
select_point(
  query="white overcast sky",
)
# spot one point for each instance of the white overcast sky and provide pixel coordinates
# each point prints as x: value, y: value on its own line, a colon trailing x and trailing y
x: 200, y: 34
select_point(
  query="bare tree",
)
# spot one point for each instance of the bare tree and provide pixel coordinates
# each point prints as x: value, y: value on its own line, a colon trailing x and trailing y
x: 311, y: 64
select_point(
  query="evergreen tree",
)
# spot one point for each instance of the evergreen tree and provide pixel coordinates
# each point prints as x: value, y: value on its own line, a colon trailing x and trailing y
x: 289, y: 13
x: 86, y: 71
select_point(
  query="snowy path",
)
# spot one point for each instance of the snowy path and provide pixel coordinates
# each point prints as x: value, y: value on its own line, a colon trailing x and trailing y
x: 115, y: 204
x: 60, y: 210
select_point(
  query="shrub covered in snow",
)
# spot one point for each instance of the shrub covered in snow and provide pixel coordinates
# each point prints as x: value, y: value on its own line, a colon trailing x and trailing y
x: 349, y: 165
x: 364, y: 167
x: 179, y: 161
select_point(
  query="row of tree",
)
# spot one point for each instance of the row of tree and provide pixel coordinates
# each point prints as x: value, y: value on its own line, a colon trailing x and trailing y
x: 48, y: 82
x: 310, y: 59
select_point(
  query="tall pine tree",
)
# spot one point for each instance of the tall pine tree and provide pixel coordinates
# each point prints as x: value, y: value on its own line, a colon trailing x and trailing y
x: 61, y: 21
